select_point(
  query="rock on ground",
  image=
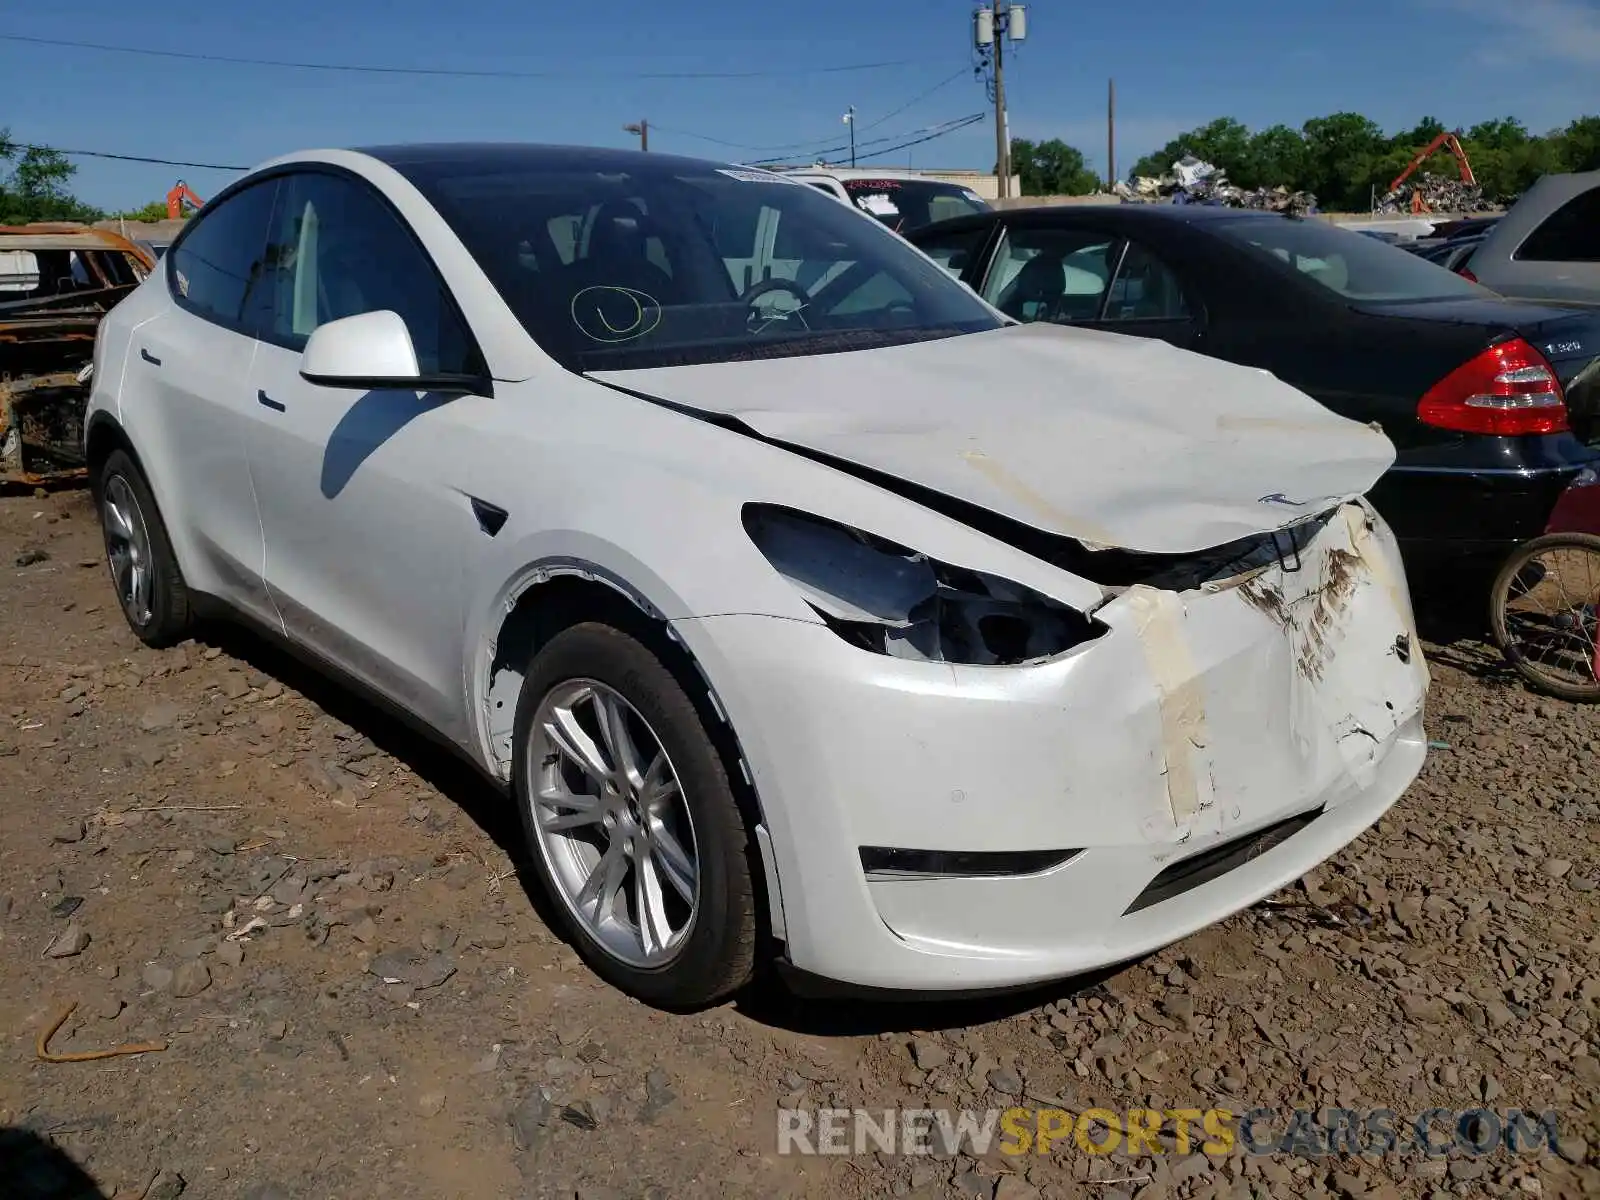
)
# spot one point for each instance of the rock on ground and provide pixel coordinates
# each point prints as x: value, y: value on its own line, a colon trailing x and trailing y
x: 260, y: 853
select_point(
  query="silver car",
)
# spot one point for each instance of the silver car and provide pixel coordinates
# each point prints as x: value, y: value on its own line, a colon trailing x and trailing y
x: 1548, y: 246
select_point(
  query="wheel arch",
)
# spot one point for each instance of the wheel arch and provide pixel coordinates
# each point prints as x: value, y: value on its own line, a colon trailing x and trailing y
x: 550, y: 596
x: 103, y: 437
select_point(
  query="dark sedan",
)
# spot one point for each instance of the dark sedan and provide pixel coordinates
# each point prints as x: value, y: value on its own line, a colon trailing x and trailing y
x: 1493, y: 406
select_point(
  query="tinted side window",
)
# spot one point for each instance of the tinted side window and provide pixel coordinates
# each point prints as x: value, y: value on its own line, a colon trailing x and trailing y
x: 1570, y: 234
x: 1051, y: 274
x: 219, y: 262
x: 1145, y: 289
x: 953, y: 251
x: 336, y: 250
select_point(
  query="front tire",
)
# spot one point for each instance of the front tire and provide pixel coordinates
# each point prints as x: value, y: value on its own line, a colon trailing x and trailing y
x: 634, y: 830
x: 144, y: 570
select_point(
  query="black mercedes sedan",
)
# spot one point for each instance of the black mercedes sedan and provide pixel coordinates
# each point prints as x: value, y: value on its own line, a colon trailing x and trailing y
x: 1492, y: 405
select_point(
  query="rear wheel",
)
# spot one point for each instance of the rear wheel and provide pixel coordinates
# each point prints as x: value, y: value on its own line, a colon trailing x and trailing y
x: 1542, y: 611
x: 144, y: 570
x: 634, y: 829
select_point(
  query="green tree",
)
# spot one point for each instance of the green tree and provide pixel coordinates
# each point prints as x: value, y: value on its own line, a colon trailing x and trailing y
x: 1345, y: 158
x: 35, y: 186
x: 1579, y: 144
x: 1223, y: 142
x: 1418, y: 136
x: 156, y: 210
x: 1051, y: 168
x: 1277, y: 159
x: 1503, y: 133
x: 1342, y: 151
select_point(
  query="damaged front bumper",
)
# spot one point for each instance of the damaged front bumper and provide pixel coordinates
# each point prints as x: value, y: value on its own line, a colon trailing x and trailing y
x: 1091, y: 807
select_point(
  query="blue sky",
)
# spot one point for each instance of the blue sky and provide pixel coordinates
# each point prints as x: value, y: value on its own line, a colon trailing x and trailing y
x: 1177, y: 63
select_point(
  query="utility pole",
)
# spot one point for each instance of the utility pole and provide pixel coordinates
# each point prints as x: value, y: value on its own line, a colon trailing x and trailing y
x: 850, y: 120
x: 642, y: 128
x: 1002, y: 143
x: 990, y: 29
x: 1111, y: 134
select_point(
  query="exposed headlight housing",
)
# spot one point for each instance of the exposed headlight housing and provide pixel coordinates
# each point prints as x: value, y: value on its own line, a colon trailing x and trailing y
x: 882, y: 597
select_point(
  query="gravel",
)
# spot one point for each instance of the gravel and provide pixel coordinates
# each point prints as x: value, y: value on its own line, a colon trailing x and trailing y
x: 70, y: 942
x: 1447, y: 958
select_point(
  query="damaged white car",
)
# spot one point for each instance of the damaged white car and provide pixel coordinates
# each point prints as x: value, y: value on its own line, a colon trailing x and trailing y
x: 804, y: 606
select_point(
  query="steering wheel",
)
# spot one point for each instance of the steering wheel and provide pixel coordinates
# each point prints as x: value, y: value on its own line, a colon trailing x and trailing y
x: 767, y: 286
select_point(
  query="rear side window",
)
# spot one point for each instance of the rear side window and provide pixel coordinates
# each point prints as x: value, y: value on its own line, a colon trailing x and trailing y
x: 1356, y: 268
x: 1051, y: 274
x: 1570, y: 234
x: 219, y: 261
x: 1145, y: 289
x: 953, y: 251
x: 905, y: 204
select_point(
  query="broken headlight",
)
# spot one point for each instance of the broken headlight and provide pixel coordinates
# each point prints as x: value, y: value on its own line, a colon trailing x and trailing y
x: 891, y: 600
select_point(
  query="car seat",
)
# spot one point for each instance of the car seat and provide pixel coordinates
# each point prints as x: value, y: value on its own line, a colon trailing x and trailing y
x: 1036, y: 293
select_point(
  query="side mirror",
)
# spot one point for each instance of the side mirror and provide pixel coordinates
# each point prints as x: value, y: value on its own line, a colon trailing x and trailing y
x: 372, y: 352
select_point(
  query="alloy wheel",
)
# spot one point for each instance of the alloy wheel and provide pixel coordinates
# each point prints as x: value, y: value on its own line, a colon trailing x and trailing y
x: 611, y: 823
x: 128, y: 549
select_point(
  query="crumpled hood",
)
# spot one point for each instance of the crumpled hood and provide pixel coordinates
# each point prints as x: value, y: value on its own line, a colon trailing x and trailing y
x: 1113, y: 440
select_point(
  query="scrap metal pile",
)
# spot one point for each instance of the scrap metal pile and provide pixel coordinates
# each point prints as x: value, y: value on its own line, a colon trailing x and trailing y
x: 1193, y: 181
x: 56, y: 283
x: 1439, y: 193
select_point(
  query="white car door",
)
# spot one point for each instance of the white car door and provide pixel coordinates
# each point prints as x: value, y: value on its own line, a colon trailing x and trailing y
x: 366, y: 539
x: 186, y: 402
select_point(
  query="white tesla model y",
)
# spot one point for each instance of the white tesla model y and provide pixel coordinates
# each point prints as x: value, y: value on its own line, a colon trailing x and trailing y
x: 797, y: 599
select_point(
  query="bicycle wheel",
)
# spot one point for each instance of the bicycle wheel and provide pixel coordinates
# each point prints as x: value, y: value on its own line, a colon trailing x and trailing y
x: 1542, y: 611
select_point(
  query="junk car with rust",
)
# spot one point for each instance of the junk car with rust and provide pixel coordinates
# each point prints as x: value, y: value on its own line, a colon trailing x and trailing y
x: 56, y: 283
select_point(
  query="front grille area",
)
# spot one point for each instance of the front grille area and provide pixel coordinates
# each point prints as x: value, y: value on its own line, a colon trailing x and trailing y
x: 1189, y: 873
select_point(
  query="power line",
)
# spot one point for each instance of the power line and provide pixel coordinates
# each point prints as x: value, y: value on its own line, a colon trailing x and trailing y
x: 931, y: 131
x: 138, y: 158
x: 889, y: 116
x: 701, y: 137
x: 376, y: 69
x: 211, y: 166
x: 962, y: 124
x: 917, y: 99
x: 795, y: 146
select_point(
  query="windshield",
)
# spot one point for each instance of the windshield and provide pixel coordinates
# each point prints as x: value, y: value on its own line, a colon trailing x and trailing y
x: 684, y: 263
x: 1355, y: 267
x: 907, y: 204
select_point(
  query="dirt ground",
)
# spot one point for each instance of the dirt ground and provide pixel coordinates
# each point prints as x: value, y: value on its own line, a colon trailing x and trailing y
x: 214, y: 849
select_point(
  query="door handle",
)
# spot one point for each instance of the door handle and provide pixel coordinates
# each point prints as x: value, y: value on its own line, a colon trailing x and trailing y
x: 148, y: 357
x: 269, y: 402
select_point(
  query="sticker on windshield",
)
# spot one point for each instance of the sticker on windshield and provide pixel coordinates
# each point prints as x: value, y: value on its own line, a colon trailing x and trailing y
x: 747, y: 176
x: 606, y: 313
x: 878, y: 204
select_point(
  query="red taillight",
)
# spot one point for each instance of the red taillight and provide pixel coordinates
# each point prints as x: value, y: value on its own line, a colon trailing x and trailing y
x: 1509, y: 389
x: 1466, y: 274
